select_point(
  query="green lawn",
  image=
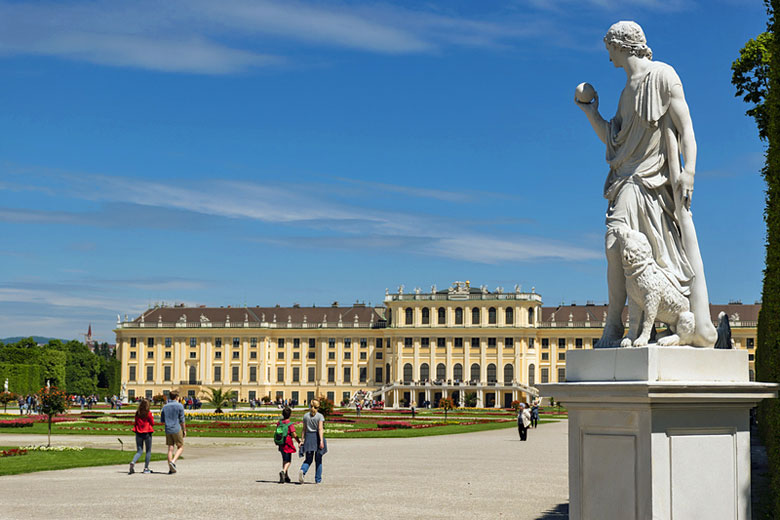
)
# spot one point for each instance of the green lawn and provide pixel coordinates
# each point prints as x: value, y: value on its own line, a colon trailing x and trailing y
x: 51, y: 460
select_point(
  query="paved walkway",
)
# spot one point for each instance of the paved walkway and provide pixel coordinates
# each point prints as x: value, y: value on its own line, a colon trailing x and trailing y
x: 477, y: 475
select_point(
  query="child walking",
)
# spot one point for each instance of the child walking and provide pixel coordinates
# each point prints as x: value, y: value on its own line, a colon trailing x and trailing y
x: 284, y: 436
x: 143, y: 428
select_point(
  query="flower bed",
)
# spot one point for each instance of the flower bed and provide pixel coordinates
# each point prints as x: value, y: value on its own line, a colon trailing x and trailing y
x: 52, y: 448
x: 13, y: 452
x: 393, y: 425
x: 16, y: 423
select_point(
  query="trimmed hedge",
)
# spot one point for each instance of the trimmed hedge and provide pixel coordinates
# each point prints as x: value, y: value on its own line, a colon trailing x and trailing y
x: 22, y: 379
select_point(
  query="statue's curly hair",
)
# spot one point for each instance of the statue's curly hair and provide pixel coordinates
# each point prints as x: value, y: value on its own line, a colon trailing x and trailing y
x: 630, y: 37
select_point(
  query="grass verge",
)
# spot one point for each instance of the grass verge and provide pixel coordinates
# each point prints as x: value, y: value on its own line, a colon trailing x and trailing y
x: 52, y: 460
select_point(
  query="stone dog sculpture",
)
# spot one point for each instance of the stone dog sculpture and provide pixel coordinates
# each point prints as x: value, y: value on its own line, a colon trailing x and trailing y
x: 648, y: 187
x: 651, y: 295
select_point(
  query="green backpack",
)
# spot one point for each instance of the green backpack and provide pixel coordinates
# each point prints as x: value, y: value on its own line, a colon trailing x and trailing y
x: 281, y: 433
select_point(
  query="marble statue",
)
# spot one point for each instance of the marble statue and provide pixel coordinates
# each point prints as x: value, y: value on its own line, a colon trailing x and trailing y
x: 648, y: 187
x: 5, y: 385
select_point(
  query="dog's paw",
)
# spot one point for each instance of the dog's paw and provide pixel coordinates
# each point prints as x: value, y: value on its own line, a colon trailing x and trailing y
x: 669, y: 341
x: 641, y: 341
x: 626, y: 342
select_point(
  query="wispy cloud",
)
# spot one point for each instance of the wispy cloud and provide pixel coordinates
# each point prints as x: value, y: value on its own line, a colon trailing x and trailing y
x: 206, y: 37
x: 302, y: 207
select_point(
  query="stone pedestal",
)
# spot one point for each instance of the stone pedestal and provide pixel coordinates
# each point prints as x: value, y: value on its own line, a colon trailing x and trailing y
x: 659, y: 432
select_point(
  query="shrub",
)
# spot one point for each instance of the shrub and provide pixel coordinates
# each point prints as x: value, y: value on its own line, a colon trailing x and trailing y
x: 7, y: 397
x: 470, y: 399
x: 326, y: 406
x: 16, y: 423
x: 53, y: 401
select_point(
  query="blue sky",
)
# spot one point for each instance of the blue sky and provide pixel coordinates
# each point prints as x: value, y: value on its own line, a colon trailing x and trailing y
x: 263, y: 152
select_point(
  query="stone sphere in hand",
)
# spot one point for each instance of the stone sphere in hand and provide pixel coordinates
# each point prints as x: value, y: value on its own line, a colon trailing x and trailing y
x: 585, y: 93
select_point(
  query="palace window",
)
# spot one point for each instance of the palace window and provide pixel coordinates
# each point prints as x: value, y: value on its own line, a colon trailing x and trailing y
x: 217, y: 342
x: 133, y: 354
x: 150, y: 342
x: 193, y: 355
x: 442, y: 318
x: 441, y: 342
x: 235, y: 354
x: 363, y: 374
x: 750, y: 342
x: 531, y: 342
x: 530, y: 315
x: 167, y: 373
x: 425, y: 372
x: 168, y: 354
x: 311, y: 374
x: 252, y: 374
x: 331, y: 355
x: 492, y: 317
x: 457, y: 372
x: 347, y: 343
x: 150, y: 354
x: 545, y: 375
x: 331, y: 374
x: 491, y: 342
x: 379, y: 354
x: 531, y: 375
x: 378, y: 342
x: 561, y: 356
x: 561, y: 375
x: 150, y: 373
x: 407, y: 373
x: 509, y: 342
x: 131, y: 375
x: 545, y: 356
x: 458, y: 342
x: 474, y: 342
x: 217, y: 355
x: 441, y: 372
x: 280, y: 354
x: 363, y: 343
x: 280, y: 374
x: 509, y: 373
x: 296, y: 374
x: 378, y: 375
x: 363, y: 355
x: 562, y: 343
x: 236, y: 342
x: 492, y: 377
x: 297, y: 343
x: 193, y: 342
x: 409, y: 316
x: 235, y: 373
x: 347, y: 374
x: 280, y: 343
x: 168, y: 342
x: 510, y: 316
x: 217, y: 374
x: 253, y: 342
x: 253, y: 355
x: 133, y: 342
x: 426, y: 316
x: 545, y: 342
x: 425, y: 342
x: 408, y: 343
x: 475, y: 372
x: 331, y: 342
x: 296, y: 354
x: 458, y: 316
x: 475, y: 316
x: 347, y: 355
x: 578, y: 343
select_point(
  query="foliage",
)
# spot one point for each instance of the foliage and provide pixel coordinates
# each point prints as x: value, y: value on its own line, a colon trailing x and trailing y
x: 760, y: 83
x: 470, y: 399
x: 751, y: 77
x: 53, y: 401
x: 81, y: 369
x: 219, y: 398
x: 516, y: 405
x: 7, y: 397
x: 159, y: 399
x: 326, y: 406
x: 393, y: 424
x: 23, y: 379
x: 446, y: 404
x: 266, y: 399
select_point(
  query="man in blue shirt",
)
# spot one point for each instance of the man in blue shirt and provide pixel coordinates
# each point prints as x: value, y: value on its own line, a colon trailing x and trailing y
x: 172, y: 415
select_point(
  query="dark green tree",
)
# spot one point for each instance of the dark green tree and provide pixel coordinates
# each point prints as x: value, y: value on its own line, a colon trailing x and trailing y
x: 757, y: 78
x: 81, y: 369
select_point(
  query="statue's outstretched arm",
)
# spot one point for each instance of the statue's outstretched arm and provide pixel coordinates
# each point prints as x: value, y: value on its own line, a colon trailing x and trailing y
x: 600, y: 126
x: 681, y: 117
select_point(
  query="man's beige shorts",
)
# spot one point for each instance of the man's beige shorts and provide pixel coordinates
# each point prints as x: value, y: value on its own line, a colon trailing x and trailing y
x: 175, y: 439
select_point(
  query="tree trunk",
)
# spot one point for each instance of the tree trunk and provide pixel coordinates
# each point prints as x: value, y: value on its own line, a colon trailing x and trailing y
x: 49, y: 444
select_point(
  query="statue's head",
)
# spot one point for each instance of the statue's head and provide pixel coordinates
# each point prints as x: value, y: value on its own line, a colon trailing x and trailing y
x: 630, y: 38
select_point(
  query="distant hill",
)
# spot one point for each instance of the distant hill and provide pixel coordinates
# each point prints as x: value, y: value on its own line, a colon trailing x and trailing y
x: 37, y: 339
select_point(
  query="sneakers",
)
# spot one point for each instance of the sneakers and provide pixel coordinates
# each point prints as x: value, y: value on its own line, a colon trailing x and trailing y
x: 281, y: 477
x: 132, y: 468
x: 171, y: 468
x: 147, y: 471
x: 300, y: 477
x: 287, y: 478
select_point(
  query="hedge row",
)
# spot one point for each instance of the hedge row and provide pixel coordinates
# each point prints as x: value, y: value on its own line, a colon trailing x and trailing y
x: 22, y: 379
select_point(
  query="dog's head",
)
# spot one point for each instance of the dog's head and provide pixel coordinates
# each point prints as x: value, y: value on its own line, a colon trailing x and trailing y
x: 634, y: 246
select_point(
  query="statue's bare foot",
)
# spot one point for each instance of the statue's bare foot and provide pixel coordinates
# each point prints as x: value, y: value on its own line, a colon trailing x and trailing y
x: 612, y: 336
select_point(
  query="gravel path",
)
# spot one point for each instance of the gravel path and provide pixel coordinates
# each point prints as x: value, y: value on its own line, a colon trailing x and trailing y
x: 476, y: 475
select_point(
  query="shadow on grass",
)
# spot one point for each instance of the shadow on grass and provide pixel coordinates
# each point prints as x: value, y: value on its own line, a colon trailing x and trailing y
x: 559, y: 512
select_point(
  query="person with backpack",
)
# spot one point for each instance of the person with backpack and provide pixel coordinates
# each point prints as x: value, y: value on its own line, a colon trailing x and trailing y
x: 283, y: 438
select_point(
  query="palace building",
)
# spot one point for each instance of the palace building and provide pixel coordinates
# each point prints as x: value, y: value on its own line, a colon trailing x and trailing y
x: 418, y: 347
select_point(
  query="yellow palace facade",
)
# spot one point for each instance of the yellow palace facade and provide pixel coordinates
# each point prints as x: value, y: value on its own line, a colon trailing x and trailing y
x: 420, y: 346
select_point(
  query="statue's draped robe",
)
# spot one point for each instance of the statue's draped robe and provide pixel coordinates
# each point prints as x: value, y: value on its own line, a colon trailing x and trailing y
x: 637, y: 187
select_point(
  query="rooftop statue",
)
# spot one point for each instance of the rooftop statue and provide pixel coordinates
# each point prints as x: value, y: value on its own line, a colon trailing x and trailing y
x: 649, y: 189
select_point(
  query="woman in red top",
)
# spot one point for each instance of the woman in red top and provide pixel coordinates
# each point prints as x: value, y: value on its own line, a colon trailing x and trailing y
x: 144, y: 428
x: 288, y: 448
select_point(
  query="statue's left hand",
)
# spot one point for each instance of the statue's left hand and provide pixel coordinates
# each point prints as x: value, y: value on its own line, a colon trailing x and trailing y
x: 685, y: 188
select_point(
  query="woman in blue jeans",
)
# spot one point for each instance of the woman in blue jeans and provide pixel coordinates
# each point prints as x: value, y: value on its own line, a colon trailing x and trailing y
x: 314, y: 445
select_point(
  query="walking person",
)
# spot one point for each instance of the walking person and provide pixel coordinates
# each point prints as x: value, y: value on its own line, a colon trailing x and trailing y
x: 535, y: 413
x: 143, y: 428
x: 283, y: 437
x: 314, y: 445
x: 523, y: 422
x: 172, y: 414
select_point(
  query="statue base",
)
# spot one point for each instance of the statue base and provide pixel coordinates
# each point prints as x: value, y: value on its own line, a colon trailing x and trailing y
x: 659, y: 432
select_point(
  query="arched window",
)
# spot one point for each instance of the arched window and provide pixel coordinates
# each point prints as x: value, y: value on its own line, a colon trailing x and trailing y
x: 475, y: 316
x: 475, y: 372
x: 407, y: 373
x: 510, y: 316
x: 409, y: 316
x: 491, y: 373
x: 509, y: 373
x: 193, y: 375
x: 442, y: 316
x: 492, y: 316
x: 531, y: 375
x: 457, y: 372
x: 530, y: 315
x: 426, y: 316
x: 387, y: 373
x: 458, y: 316
x: 425, y: 372
x: 441, y: 372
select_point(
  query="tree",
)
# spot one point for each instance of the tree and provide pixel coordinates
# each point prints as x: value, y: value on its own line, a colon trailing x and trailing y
x: 751, y: 77
x: 470, y: 399
x: 81, y: 369
x: 53, y: 401
x: 759, y: 79
x: 7, y: 397
x: 326, y: 406
x: 159, y: 399
x: 447, y: 404
x: 516, y: 406
x: 218, y: 398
